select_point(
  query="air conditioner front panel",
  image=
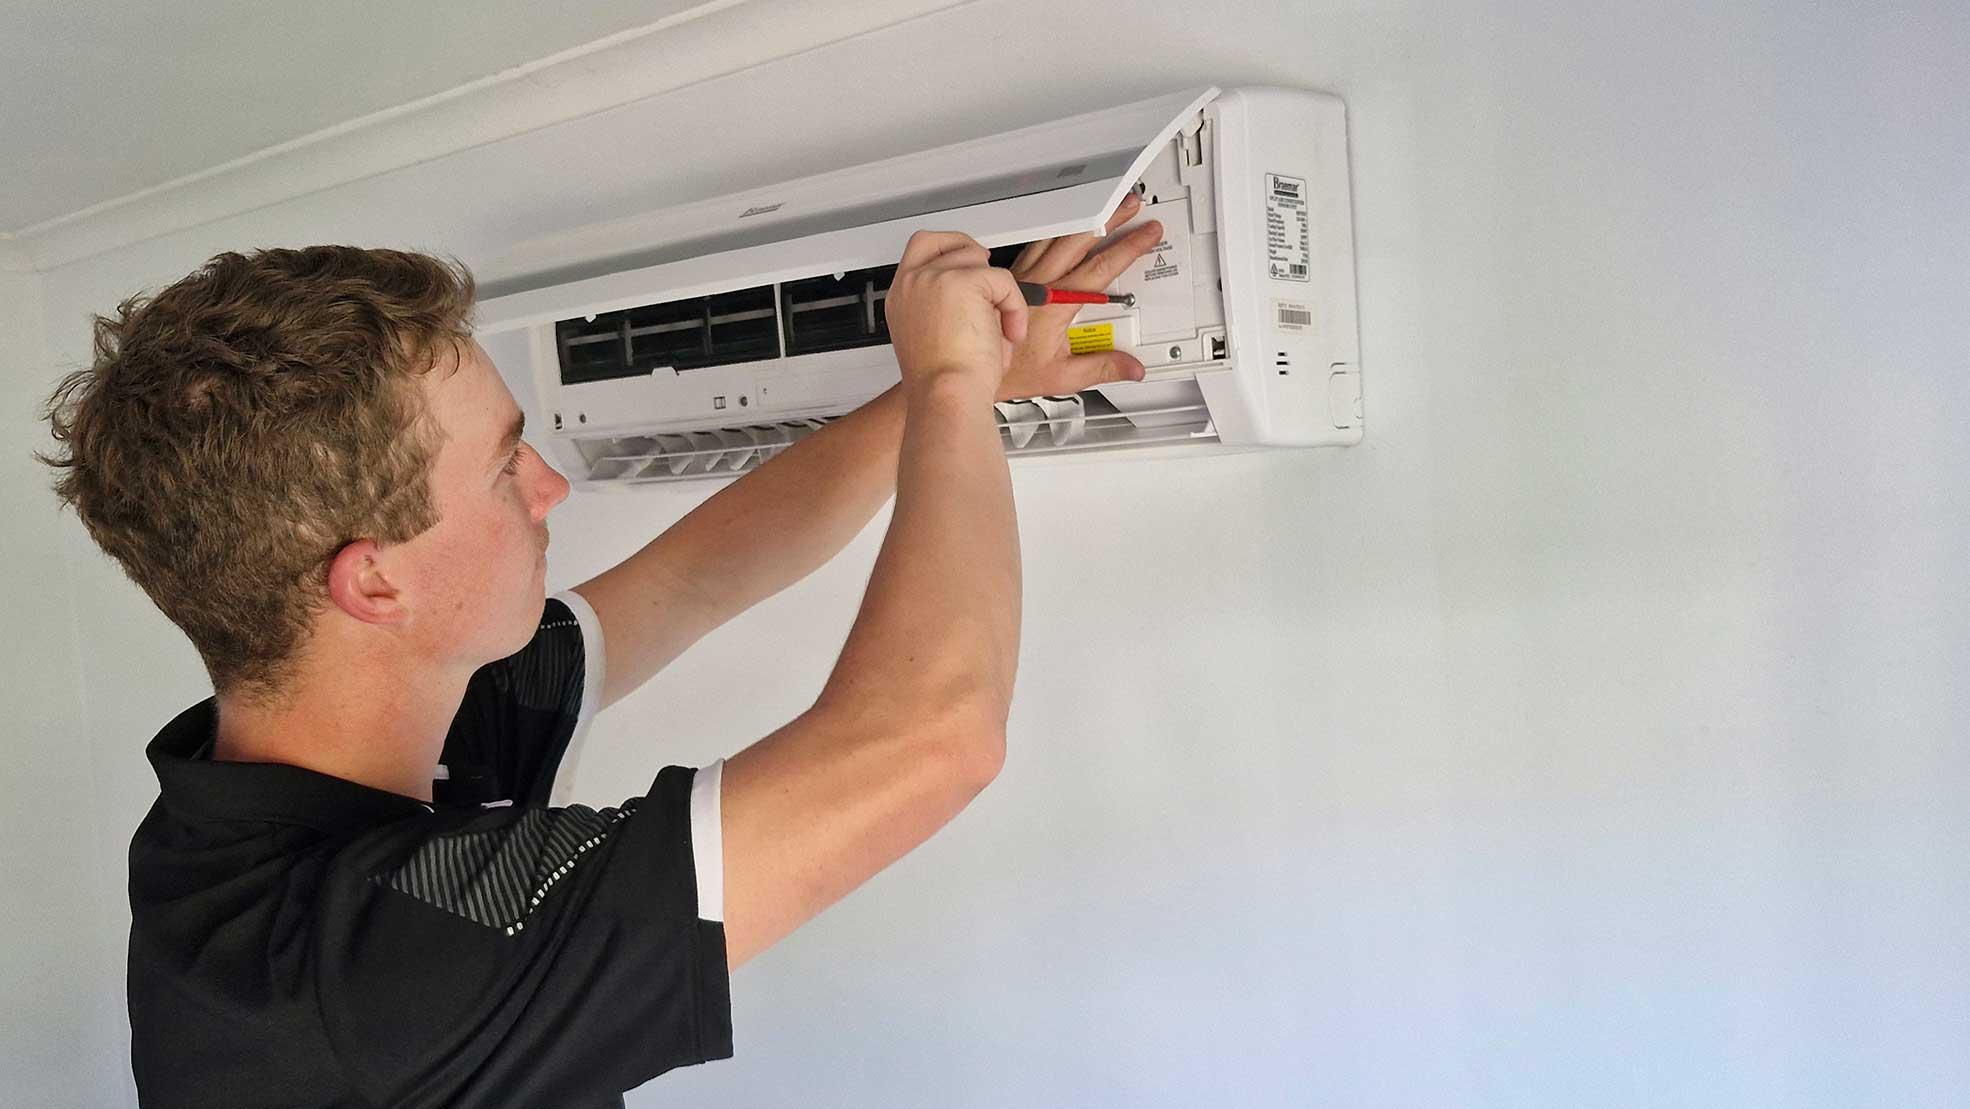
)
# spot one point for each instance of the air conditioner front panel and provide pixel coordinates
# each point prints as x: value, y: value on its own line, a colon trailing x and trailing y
x: 1064, y: 211
x: 1065, y: 178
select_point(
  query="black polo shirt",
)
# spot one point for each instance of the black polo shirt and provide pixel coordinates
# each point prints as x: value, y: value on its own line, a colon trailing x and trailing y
x: 301, y: 940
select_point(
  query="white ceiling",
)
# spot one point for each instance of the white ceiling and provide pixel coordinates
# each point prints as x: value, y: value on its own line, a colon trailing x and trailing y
x: 101, y: 100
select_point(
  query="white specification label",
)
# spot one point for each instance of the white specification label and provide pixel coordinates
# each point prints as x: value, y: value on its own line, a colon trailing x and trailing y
x: 1165, y: 301
x: 1288, y: 244
x: 1291, y: 315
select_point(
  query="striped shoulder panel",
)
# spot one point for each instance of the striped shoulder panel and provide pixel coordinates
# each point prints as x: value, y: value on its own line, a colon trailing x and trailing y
x: 547, y: 672
x: 498, y: 877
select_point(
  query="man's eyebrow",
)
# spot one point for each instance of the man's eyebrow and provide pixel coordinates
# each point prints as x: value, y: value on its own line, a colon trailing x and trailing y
x: 512, y: 437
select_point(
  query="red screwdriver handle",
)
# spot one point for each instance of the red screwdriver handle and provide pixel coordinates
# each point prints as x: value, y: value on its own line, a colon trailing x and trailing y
x: 1037, y: 294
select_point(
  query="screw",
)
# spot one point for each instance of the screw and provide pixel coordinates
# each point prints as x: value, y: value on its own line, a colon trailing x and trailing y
x: 1176, y: 353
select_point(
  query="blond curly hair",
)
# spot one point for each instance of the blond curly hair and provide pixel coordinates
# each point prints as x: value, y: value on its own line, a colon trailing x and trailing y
x: 240, y: 427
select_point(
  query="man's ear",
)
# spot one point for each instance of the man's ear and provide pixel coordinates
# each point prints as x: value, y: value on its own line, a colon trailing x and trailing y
x: 358, y: 585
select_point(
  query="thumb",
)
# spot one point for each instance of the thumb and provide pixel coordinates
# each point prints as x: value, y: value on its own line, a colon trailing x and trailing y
x: 1004, y: 292
x: 1101, y: 369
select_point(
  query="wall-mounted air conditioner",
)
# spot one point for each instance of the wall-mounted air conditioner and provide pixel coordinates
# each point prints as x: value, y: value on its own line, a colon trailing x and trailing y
x: 711, y: 336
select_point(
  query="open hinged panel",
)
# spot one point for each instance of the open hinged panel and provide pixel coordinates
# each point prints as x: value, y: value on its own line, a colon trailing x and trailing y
x: 1051, y: 179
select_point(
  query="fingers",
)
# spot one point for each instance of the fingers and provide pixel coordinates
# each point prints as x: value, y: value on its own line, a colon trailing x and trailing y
x: 1124, y: 212
x: 1102, y: 269
x: 1099, y: 369
x: 1052, y: 258
x: 927, y: 246
x: 1073, y: 374
x: 1003, y: 288
x: 1022, y: 266
x: 963, y: 257
x: 1047, y: 260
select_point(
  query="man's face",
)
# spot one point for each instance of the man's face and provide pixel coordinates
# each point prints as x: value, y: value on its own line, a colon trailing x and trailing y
x: 479, y: 574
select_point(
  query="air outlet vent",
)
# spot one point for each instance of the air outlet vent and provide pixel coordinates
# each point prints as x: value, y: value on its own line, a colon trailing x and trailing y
x: 836, y: 313
x: 845, y: 311
x: 662, y: 457
x: 1041, y: 426
x: 718, y: 330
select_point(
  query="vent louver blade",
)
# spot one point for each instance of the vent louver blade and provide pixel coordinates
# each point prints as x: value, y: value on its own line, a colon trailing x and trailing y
x: 667, y: 456
x: 1040, y: 426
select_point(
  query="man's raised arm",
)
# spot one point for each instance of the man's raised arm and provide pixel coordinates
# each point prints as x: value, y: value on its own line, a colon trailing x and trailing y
x: 775, y: 525
x: 911, y: 723
x: 755, y: 537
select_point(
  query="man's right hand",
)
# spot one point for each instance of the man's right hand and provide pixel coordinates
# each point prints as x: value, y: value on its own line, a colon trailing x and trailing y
x: 951, y: 314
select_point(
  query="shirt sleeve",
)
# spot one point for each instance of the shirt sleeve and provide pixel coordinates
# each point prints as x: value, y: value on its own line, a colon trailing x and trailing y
x: 519, y: 730
x: 527, y: 957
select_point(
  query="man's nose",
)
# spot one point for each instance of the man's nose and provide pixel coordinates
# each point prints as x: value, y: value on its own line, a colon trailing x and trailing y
x: 554, y: 489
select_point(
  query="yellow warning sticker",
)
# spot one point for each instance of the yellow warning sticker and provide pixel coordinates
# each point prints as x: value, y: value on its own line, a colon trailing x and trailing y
x: 1091, y: 337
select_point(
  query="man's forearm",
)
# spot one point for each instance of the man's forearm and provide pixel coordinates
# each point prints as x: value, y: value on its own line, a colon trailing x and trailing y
x: 785, y: 519
x: 939, y: 622
x: 911, y: 724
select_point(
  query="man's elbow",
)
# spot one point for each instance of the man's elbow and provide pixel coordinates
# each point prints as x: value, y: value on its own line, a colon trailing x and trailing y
x: 983, y: 756
x: 970, y: 741
x: 958, y: 727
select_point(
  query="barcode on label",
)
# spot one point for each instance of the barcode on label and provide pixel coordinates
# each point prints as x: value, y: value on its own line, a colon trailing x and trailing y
x: 1296, y: 270
x: 1295, y: 317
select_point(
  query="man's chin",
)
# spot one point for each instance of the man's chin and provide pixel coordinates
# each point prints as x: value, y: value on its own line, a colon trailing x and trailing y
x: 524, y: 630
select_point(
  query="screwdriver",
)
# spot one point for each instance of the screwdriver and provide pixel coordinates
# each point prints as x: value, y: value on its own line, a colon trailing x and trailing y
x: 1037, y: 294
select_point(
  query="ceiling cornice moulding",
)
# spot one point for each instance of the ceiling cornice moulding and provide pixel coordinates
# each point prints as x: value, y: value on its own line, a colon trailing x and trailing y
x: 704, y: 42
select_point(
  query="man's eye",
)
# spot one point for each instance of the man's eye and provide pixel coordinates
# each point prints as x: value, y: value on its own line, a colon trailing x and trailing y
x: 513, y: 463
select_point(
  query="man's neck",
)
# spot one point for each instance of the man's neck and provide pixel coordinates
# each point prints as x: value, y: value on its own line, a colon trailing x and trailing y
x: 387, y: 731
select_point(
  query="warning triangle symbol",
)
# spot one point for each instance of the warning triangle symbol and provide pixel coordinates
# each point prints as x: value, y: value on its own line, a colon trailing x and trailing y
x: 1160, y: 262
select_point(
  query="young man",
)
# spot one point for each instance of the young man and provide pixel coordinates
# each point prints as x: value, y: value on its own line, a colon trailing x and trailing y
x: 305, y: 460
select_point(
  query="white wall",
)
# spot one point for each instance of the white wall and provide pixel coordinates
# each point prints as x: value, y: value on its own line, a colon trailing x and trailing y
x: 62, y: 1025
x: 1592, y: 734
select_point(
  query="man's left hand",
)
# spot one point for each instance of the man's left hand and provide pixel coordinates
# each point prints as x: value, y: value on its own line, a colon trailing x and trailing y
x: 1042, y: 364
